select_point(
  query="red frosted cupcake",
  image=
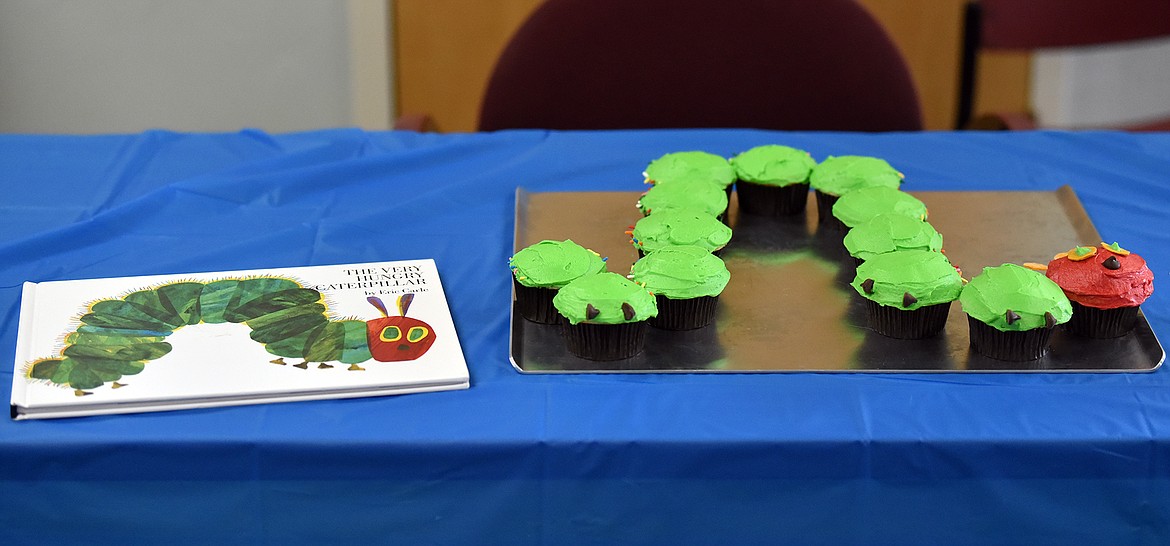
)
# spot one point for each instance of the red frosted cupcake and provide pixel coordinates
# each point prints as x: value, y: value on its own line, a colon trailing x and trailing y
x: 1105, y: 284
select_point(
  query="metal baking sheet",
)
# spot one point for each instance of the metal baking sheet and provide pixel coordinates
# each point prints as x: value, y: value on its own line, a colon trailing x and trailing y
x: 789, y: 308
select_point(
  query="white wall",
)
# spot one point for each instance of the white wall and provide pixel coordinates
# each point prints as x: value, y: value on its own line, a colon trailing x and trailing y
x: 206, y: 65
x: 1102, y: 86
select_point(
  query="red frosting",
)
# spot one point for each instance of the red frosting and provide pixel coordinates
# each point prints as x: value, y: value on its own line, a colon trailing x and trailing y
x: 1090, y: 283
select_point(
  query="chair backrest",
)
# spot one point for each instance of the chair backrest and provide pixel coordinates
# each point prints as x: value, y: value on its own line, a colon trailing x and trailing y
x: 1033, y: 24
x: 1036, y: 24
x: 770, y: 64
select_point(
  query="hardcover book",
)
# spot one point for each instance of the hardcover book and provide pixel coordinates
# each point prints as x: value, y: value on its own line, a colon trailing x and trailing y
x: 133, y: 344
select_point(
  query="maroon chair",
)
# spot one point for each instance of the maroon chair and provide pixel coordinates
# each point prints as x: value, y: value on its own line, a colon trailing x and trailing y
x: 768, y: 64
x: 1020, y: 25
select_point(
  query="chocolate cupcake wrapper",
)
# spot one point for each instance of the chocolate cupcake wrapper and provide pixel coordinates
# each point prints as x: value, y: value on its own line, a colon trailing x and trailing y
x: 825, y: 216
x: 848, y: 268
x: 535, y: 304
x: 605, y: 341
x: 1015, y: 346
x: 1101, y: 323
x: 687, y: 314
x: 765, y: 200
x: 919, y: 323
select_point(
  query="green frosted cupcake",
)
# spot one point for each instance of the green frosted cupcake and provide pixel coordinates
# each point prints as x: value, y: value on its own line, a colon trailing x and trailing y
x: 686, y: 282
x: 679, y: 227
x: 908, y: 292
x: 1012, y: 312
x: 839, y: 175
x: 891, y: 232
x: 694, y: 166
x: 605, y: 316
x: 539, y: 270
x: 690, y: 195
x: 860, y: 206
x: 772, y: 180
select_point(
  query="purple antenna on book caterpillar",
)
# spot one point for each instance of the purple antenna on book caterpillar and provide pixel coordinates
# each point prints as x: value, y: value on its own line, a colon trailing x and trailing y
x: 377, y: 302
x: 404, y: 303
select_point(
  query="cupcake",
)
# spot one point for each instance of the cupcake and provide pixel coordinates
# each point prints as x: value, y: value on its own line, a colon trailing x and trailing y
x: 1012, y: 311
x: 694, y: 196
x: 859, y: 206
x: 908, y: 293
x: 890, y: 232
x: 679, y: 227
x: 605, y: 316
x: 772, y: 180
x: 691, y: 167
x: 686, y: 281
x: 1106, y: 285
x: 539, y: 270
x: 839, y: 175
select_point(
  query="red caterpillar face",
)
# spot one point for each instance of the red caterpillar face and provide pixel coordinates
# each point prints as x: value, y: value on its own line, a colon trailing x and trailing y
x: 394, y: 339
x: 397, y: 338
x: 1105, y: 277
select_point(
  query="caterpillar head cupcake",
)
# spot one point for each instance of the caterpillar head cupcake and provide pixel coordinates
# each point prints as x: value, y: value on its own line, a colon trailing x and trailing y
x: 539, y: 270
x: 1105, y: 284
x: 605, y: 316
x: 1012, y: 311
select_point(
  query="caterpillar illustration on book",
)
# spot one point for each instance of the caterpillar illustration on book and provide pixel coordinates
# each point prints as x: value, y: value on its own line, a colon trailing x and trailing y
x: 117, y: 337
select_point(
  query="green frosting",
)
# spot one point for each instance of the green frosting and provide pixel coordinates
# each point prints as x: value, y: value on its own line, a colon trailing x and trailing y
x: 1027, y: 294
x: 693, y: 196
x: 889, y: 232
x: 552, y: 264
x: 773, y: 165
x: 680, y: 227
x: 843, y: 174
x: 690, y: 167
x: 928, y: 277
x: 681, y: 272
x: 605, y: 298
x: 860, y: 206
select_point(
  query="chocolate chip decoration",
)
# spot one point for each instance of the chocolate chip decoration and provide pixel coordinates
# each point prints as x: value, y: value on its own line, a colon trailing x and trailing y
x: 1049, y: 320
x: 628, y: 311
x: 867, y: 285
x: 1011, y: 316
x: 1112, y: 263
x: 908, y: 300
x: 591, y: 312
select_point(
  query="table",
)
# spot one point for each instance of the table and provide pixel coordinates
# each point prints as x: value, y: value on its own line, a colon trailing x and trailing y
x: 810, y: 458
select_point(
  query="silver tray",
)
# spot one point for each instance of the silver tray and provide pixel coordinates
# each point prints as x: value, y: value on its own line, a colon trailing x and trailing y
x: 788, y: 306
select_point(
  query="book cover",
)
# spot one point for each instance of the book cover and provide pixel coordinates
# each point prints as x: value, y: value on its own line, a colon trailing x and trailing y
x: 132, y: 344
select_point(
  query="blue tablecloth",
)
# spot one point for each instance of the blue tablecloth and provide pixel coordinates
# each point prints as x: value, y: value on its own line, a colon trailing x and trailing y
x: 808, y: 458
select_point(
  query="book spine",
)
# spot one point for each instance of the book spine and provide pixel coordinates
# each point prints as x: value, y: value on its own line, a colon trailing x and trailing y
x: 26, y: 334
